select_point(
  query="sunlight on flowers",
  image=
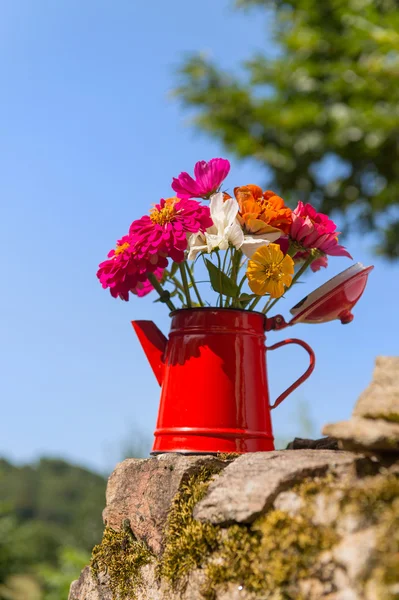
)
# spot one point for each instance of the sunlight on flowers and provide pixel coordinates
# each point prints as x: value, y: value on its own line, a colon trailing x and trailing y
x: 269, y: 271
x: 262, y: 212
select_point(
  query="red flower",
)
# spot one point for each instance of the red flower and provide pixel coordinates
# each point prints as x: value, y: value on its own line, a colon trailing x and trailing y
x: 315, y: 230
x: 164, y: 232
x: 125, y: 271
x: 208, y: 178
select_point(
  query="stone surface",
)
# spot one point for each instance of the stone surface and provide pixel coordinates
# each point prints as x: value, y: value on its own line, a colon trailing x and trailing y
x: 355, y: 553
x: 249, y: 485
x: 254, y: 484
x: 361, y: 434
x: 381, y: 399
x: 326, y: 443
x: 374, y: 426
x: 87, y: 588
x: 142, y: 490
x: 289, y: 502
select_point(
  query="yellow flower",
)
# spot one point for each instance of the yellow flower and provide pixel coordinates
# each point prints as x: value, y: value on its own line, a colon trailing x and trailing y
x: 269, y: 271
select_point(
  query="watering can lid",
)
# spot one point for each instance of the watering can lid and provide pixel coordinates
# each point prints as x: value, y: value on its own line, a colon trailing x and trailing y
x: 334, y: 299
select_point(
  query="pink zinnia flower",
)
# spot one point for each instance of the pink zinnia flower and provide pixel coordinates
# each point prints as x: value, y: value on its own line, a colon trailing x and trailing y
x: 315, y: 230
x: 164, y: 231
x: 208, y: 178
x: 124, y: 271
x: 316, y: 264
x: 145, y: 287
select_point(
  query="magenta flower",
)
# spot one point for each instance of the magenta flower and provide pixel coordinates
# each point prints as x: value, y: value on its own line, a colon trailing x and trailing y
x: 316, y: 264
x: 164, y: 232
x: 125, y: 271
x: 145, y: 287
x: 315, y: 230
x: 208, y: 178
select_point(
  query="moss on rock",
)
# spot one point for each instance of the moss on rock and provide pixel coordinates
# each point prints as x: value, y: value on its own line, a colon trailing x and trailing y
x: 121, y: 557
x: 269, y: 556
x: 272, y: 554
x: 228, y: 456
x: 187, y: 541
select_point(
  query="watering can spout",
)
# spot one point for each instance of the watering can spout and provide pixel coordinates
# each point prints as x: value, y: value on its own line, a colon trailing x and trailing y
x: 153, y: 343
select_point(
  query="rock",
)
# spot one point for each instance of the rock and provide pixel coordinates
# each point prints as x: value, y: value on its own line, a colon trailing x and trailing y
x: 355, y: 553
x: 338, y: 525
x: 325, y: 510
x: 87, y: 588
x: 249, y: 485
x: 142, y: 490
x: 288, y: 502
x: 311, y: 589
x: 326, y: 443
x: 381, y: 399
x: 361, y: 434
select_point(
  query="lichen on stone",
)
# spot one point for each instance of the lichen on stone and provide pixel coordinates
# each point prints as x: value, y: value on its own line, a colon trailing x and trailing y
x: 377, y: 500
x: 121, y: 556
x: 269, y: 556
x: 228, y: 456
x: 187, y: 541
x: 272, y: 554
x: 393, y: 417
x: 371, y: 496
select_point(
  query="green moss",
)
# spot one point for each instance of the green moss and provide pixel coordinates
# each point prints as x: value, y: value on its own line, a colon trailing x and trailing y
x: 187, y: 541
x: 392, y: 417
x: 372, y: 497
x: 268, y: 557
x: 387, y: 554
x: 228, y: 455
x: 121, y: 557
x: 272, y: 554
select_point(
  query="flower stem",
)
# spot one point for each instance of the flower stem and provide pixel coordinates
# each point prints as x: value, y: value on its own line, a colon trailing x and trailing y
x: 177, y: 283
x: 254, y: 303
x: 269, y: 304
x: 294, y: 280
x: 163, y: 294
x: 242, y: 282
x: 220, y: 279
x: 192, y: 280
x: 236, y: 259
x: 185, y: 284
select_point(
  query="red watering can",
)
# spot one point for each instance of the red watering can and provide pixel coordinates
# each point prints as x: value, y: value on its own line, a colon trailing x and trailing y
x: 212, y: 370
x: 213, y: 375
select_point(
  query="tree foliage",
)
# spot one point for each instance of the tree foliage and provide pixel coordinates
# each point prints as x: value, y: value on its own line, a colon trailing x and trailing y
x: 50, y: 519
x: 319, y: 108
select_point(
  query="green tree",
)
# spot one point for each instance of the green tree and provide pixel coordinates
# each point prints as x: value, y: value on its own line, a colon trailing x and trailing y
x: 9, y: 560
x: 324, y: 89
x: 54, y: 504
x: 56, y: 581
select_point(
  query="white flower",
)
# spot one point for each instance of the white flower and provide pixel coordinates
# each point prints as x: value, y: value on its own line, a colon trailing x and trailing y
x: 225, y: 230
x: 252, y: 243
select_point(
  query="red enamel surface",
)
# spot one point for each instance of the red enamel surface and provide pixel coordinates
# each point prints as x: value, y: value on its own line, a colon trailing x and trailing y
x: 214, y: 394
x: 337, y: 303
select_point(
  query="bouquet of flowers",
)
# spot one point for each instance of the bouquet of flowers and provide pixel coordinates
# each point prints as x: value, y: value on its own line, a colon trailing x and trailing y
x: 254, y: 247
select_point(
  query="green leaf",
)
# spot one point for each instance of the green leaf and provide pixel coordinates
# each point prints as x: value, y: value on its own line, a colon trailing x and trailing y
x: 245, y: 299
x: 220, y: 282
x: 174, y: 268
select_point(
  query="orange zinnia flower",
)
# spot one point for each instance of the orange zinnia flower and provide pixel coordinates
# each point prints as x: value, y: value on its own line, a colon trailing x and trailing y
x: 261, y: 212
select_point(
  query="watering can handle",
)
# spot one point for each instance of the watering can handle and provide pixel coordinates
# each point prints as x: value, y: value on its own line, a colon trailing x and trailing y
x: 302, y: 378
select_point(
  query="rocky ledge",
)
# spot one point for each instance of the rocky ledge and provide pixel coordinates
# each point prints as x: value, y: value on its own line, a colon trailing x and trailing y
x: 309, y: 522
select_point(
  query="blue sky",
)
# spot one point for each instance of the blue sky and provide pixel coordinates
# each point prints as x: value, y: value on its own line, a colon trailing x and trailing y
x: 90, y: 137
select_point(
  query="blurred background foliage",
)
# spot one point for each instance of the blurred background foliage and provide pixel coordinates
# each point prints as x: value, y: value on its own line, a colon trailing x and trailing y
x: 50, y: 518
x: 318, y: 108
